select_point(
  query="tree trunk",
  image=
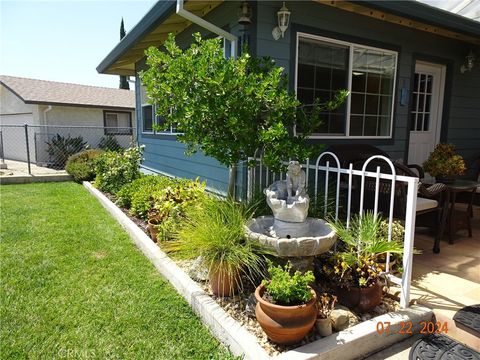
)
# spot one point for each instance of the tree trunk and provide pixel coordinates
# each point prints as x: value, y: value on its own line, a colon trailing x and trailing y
x: 232, y: 179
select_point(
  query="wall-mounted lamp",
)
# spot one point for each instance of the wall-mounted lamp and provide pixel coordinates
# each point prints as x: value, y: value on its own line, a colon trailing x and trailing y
x: 283, y: 17
x: 469, y: 61
x: 245, y: 14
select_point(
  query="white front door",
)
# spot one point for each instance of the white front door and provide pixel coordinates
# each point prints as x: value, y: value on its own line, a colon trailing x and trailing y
x: 426, y: 114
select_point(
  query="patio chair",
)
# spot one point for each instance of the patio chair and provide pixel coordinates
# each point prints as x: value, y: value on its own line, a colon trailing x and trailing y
x: 356, y: 153
x: 430, y: 200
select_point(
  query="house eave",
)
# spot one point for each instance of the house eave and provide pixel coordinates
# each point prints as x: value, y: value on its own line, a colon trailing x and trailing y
x: 157, y: 14
x: 107, y: 107
x: 121, y: 60
x: 421, y: 12
x: 152, y: 30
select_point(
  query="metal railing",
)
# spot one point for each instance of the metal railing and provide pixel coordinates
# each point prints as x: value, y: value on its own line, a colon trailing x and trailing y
x: 318, y: 176
x: 43, y: 147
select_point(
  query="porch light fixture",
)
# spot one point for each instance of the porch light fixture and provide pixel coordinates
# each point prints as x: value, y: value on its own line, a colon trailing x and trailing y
x: 283, y: 17
x: 245, y: 14
x: 469, y: 61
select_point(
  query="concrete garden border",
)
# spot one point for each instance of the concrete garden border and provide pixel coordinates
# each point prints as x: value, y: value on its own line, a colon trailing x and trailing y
x: 352, y: 343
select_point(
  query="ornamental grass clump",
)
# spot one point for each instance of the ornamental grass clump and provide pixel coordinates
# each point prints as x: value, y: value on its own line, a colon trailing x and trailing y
x: 444, y: 162
x: 286, y: 289
x: 214, y: 232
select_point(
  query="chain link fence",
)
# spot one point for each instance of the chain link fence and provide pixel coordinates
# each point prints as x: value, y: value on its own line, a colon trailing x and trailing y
x: 40, y: 148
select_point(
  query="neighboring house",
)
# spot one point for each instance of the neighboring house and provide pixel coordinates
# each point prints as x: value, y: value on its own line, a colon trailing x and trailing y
x: 403, y: 61
x: 51, y: 108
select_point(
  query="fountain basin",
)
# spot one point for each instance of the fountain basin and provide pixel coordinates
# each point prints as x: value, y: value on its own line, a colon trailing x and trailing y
x: 320, y: 237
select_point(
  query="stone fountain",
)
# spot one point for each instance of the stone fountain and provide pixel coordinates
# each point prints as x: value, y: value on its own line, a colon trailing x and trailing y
x: 289, y: 232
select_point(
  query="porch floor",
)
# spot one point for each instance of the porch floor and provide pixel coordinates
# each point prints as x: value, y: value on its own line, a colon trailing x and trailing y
x: 450, y: 280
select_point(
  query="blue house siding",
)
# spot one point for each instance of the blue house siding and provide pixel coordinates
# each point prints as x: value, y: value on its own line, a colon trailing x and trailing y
x: 464, y: 89
x: 163, y: 153
x: 460, y: 124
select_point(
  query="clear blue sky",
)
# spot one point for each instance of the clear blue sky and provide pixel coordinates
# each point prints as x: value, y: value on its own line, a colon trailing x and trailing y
x: 63, y: 40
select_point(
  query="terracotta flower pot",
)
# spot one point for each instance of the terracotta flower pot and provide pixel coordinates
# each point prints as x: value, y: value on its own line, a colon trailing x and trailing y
x: 285, y: 325
x: 360, y: 299
x: 152, y: 229
x: 221, y: 283
x: 324, y: 326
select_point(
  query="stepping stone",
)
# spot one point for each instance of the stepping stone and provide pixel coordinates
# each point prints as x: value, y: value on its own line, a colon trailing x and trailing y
x: 441, y: 347
x: 468, y: 319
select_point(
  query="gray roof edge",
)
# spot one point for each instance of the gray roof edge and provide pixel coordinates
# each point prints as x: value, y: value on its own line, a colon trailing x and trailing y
x: 407, y: 8
x: 426, y: 13
x: 158, y: 13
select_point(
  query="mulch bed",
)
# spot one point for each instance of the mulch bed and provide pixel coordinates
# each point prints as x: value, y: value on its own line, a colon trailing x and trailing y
x: 242, y: 306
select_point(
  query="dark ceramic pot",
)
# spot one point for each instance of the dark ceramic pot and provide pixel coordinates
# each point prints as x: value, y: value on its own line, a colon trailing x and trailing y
x: 285, y: 325
x: 360, y: 299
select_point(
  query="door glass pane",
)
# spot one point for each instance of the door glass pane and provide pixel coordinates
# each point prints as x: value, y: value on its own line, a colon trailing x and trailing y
x: 423, y: 80
x: 419, y: 122
x: 421, y: 100
x: 413, y: 122
x: 426, y: 122
x: 429, y: 83
x: 428, y: 99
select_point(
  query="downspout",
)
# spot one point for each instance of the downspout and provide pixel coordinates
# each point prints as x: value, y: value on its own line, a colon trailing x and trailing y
x: 233, y: 53
x: 209, y: 26
x: 45, y: 114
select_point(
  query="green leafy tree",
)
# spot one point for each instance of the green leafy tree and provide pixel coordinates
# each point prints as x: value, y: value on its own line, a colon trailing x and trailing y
x: 123, y: 79
x: 227, y: 108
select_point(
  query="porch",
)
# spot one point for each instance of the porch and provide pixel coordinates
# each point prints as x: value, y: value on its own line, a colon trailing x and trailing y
x: 450, y: 280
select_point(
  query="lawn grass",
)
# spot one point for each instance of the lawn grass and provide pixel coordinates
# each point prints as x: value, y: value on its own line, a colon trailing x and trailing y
x: 74, y: 286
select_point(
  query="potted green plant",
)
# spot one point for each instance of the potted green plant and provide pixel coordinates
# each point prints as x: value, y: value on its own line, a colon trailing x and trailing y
x: 444, y: 164
x: 326, y: 304
x: 286, y: 305
x: 355, y: 267
x: 214, y: 232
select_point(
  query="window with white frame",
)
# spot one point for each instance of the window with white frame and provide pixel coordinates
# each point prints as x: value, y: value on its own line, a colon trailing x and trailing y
x: 325, y: 66
x: 117, y: 122
x: 149, y: 117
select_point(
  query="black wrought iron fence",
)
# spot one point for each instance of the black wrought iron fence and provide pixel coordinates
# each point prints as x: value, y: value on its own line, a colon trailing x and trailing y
x: 50, y: 146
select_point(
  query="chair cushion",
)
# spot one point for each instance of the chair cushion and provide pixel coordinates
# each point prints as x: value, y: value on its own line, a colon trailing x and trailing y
x: 425, y: 204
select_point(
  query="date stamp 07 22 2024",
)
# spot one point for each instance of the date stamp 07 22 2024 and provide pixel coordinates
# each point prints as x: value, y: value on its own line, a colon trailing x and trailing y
x: 407, y: 328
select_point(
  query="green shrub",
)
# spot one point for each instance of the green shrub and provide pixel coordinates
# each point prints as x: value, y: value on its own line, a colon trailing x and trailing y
x: 60, y: 148
x: 215, y: 232
x: 286, y: 289
x: 171, y: 204
x: 115, y: 169
x: 109, y: 143
x: 82, y: 165
x: 137, y: 195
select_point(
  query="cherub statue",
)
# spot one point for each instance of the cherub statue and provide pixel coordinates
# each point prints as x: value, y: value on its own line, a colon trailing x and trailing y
x: 287, y: 198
